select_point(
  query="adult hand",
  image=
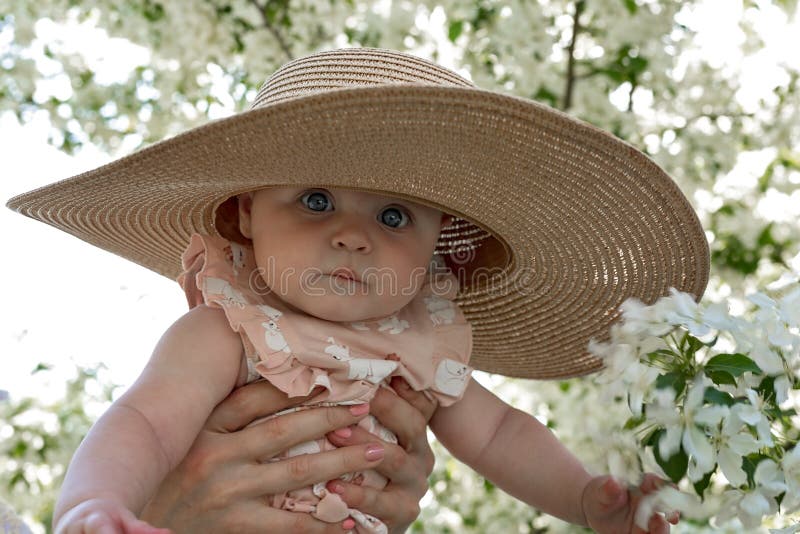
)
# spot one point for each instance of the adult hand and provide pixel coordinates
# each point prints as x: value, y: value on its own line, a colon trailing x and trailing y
x: 406, y: 465
x: 221, y: 483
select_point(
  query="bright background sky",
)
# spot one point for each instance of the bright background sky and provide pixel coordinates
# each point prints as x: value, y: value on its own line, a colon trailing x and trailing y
x: 67, y: 302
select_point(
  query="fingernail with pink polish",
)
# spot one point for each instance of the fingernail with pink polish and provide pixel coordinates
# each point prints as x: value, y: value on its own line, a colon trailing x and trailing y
x: 345, y: 432
x: 348, y: 524
x: 359, y: 409
x: 374, y: 452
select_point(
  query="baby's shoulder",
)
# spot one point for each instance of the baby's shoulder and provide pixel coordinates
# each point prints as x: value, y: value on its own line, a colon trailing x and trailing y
x: 204, y: 327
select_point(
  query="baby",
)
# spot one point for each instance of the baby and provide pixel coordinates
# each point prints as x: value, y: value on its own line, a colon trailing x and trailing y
x: 332, y: 281
x: 301, y: 240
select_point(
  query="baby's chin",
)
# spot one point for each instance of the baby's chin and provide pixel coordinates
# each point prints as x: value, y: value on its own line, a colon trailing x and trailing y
x: 342, y: 306
x: 345, y: 314
x: 347, y: 309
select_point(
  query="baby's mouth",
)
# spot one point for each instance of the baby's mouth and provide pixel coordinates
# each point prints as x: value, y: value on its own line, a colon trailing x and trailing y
x: 343, y: 273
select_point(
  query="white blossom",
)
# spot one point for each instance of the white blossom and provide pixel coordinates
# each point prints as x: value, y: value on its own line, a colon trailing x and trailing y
x: 753, y: 414
x: 791, y: 473
x: 751, y: 506
x: 682, y: 427
x: 732, y: 446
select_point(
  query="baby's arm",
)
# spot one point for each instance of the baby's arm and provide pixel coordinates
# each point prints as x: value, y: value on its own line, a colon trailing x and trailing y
x: 521, y: 456
x: 513, y: 450
x: 149, y: 429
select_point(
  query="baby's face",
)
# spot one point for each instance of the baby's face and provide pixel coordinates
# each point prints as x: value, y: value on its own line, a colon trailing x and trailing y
x: 302, y: 236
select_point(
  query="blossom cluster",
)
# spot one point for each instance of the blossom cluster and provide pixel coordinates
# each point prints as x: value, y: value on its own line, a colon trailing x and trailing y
x: 714, y: 398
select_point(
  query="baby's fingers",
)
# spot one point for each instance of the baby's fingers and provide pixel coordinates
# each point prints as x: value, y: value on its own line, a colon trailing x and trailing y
x: 656, y: 525
x: 91, y: 517
x: 98, y: 522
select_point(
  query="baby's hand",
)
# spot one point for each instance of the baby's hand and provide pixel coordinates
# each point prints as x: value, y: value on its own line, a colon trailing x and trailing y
x: 103, y: 516
x: 610, y: 507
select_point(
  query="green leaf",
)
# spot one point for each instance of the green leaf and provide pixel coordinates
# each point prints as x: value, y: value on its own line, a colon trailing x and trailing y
x: 455, y: 29
x: 675, y: 466
x: 41, y: 366
x: 765, y: 179
x: 749, y: 464
x: 651, y: 440
x: 720, y: 377
x: 543, y: 94
x: 633, y: 422
x: 674, y: 380
x: 701, y: 485
x: 18, y: 478
x: 766, y: 389
x: 726, y: 209
x: 733, y: 364
x: 662, y: 355
x: 18, y: 450
x: 631, y: 6
x: 152, y: 11
x: 691, y: 344
x: 715, y: 396
x: 484, y: 16
x: 765, y: 237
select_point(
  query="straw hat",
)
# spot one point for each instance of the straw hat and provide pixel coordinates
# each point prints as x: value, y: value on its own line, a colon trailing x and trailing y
x: 557, y: 222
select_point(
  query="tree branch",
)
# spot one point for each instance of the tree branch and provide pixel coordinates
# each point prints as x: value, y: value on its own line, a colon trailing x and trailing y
x: 576, y: 29
x: 272, y: 29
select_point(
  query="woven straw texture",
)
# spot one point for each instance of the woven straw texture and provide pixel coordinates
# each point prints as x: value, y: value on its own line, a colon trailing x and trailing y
x: 558, y: 222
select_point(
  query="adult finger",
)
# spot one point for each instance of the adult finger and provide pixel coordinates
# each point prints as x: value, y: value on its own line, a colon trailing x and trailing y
x: 249, y: 403
x: 425, y: 405
x: 268, y: 438
x: 397, y: 465
x: 307, y: 469
x: 392, y: 507
x: 254, y: 517
x: 407, y: 423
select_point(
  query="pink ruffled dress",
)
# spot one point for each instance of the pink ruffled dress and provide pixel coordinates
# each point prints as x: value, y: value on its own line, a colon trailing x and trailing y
x: 428, y: 343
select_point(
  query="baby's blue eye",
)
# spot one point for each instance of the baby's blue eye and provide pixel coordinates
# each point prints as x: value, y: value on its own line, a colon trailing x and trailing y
x: 394, y: 218
x: 317, y: 201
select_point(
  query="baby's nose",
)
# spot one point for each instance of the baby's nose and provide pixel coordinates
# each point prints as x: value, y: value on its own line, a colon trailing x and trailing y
x: 351, y: 238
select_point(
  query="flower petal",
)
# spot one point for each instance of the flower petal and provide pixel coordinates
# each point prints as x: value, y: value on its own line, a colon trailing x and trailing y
x: 752, y: 509
x: 696, y: 444
x: 731, y: 465
x: 670, y: 441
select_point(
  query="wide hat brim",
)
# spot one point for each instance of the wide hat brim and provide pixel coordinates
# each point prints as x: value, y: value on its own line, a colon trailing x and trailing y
x: 586, y: 220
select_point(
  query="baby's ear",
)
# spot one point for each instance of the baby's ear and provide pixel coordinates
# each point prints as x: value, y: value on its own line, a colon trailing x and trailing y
x: 245, y: 214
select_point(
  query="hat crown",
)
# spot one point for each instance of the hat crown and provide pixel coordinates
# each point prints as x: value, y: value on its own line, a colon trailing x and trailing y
x: 349, y: 68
